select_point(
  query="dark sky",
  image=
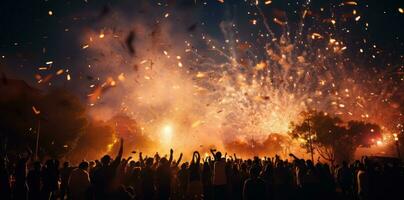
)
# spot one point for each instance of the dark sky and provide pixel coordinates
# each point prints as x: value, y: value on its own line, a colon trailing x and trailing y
x: 30, y: 36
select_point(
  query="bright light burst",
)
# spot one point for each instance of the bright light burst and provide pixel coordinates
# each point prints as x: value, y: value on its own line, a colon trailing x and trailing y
x: 167, y: 134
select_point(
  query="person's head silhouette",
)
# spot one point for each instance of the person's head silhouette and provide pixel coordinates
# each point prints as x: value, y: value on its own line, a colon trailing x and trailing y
x: 149, y: 162
x: 105, y: 160
x: 218, y: 155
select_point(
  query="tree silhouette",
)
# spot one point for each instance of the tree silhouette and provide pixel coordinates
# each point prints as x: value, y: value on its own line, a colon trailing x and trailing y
x: 331, y: 138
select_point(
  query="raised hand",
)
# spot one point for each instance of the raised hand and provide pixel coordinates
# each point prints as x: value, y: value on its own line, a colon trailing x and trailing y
x: 197, y: 156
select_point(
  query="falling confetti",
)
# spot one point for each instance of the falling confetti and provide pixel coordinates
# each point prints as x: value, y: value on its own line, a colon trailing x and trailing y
x: 36, y: 111
x: 268, y: 2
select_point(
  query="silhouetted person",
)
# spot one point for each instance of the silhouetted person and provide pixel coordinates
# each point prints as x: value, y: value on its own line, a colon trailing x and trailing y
x: 326, y: 185
x: 135, y: 181
x: 104, y: 176
x: 254, y: 187
x: 281, y: 179
x: 236, y: 183
x: 345, y: 179
x: 195, y: 188
x: 34, y: 181
x: 363, y: 183
x: 79, y: 182
x: 21, y: 187
x: 207, y: 181
x: 183, y: 179
x: 147, y: 178
x: 219, y: 176
x: 5, y: 190
x: 50, y: 178
x: 310, y: 181
x: 64, y: 179
x: 163, y: 177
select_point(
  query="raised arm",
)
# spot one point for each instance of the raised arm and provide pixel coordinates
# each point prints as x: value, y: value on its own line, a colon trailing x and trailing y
x: 293, y: 156
x: 129, y: 158
x: 171, y: 156
x: 198, y: 157
x: 140, y: 157
x: 179, y: 160
x: 118, y: 157
x: 213, y: 152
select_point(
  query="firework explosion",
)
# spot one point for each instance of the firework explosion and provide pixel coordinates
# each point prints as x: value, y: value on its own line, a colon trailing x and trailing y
x: 248, y: 78
x: 252, y: 83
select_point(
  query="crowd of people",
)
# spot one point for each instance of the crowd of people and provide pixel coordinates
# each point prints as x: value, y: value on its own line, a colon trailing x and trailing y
x: 214, y: 177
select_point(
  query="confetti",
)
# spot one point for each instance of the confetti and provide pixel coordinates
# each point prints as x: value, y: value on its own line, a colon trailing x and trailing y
x: 353, y: 3
x: 254, y: 21
x: 261, y: 65
x: 35, y: 110
x: 200, y: 75
x: 316, y: 36
x: 267, y: 2
x: 279, y: 22
x: 121, y: 77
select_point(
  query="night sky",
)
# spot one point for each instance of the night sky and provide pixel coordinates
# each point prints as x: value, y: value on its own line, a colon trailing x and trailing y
x: 35, y: 32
